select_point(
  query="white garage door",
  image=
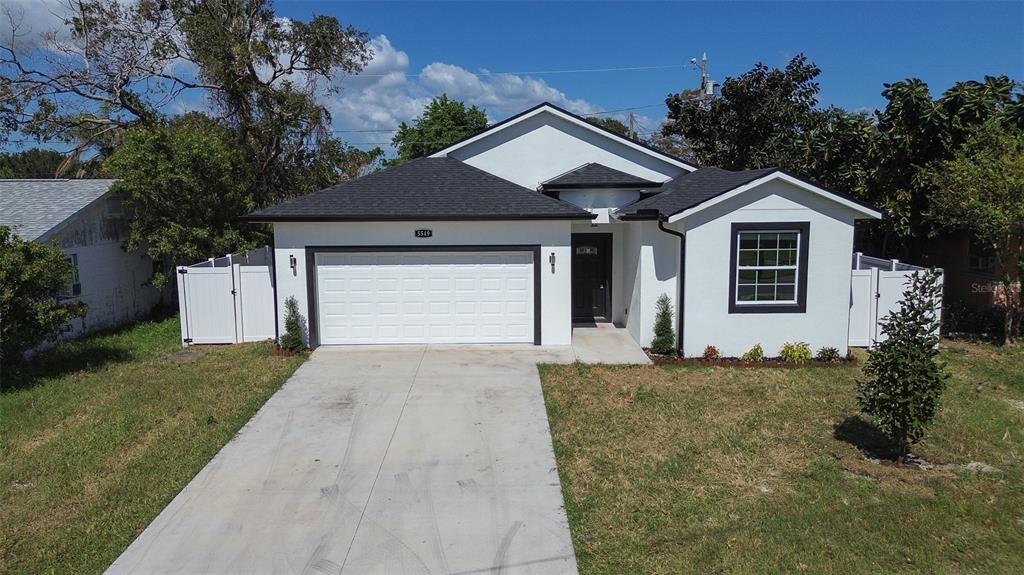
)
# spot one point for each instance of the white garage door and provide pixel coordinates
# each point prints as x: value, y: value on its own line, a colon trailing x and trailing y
x: 425, y: 297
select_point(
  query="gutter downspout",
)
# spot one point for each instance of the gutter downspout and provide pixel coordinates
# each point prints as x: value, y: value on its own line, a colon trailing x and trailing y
x: 681, y: 276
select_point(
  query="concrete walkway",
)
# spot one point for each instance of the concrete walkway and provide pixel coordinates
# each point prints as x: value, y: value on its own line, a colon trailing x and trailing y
x: 379, y: 460
x: 605, y: 343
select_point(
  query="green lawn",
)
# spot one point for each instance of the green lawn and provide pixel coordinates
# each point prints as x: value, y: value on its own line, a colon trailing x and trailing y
x: 719, y: 470
x: 105, y: 431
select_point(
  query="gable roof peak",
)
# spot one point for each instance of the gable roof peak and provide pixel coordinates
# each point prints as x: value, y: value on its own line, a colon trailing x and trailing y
x: 549, y: 108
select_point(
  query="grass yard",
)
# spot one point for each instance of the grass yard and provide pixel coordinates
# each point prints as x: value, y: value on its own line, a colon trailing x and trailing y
x: 719, y: 470
x: 105, y: 431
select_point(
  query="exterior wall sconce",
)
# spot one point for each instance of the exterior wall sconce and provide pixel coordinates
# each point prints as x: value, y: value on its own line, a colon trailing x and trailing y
x: 292, y: 263
x: 551, y: 259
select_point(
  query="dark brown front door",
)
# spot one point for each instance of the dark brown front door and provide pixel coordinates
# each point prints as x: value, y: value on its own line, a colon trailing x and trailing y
x: 591, y: 277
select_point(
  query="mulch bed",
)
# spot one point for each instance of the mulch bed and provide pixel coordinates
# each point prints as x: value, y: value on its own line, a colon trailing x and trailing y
x: 737, y: 362
x: 282, y: 352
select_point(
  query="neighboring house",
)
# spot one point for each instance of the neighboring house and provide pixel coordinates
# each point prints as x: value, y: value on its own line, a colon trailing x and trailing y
x: 544, y: 221
x: 972, y: 274
x: 88, y: 224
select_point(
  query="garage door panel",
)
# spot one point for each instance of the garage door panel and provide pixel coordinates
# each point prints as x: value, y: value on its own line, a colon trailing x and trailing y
x: 457, y: 297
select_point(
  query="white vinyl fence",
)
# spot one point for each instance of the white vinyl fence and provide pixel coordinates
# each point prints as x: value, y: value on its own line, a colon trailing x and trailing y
x: 228, y: 299
x: 876, y: 289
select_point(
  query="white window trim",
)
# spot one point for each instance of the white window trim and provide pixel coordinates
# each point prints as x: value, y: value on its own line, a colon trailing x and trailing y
x: 795, y: 268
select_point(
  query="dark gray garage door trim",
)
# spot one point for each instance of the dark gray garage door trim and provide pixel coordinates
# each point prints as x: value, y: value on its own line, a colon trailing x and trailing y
x: 311, y: 279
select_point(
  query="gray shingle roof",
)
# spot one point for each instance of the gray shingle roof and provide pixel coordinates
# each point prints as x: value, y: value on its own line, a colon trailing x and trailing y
x: 688, y: 190
x: 34, y: 207
x: 423, y: 189
x: 597, y: 176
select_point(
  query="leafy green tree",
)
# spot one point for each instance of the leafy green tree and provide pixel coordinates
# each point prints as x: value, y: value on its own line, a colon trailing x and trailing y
x: 981, y: 190
x: 186, y: 185
x: 611, y: 124
x: 32, y: 277
x: 755, y: 121
x: 442, y: 123
x: 118, y: 65
x: 292, y: 339
x: 915, y: 132
x: 34, y: 163
x: 904, y: 378
x: 664, y: 342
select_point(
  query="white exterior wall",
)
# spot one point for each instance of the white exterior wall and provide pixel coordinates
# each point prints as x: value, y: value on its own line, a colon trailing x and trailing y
x: 544, y: 146
x: 113, y: 282
x: 291, y: 239
x: 706, y: 318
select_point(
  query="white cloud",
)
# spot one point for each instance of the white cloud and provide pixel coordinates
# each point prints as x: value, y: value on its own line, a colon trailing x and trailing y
x: 386, y: 93
x: 32, y: 19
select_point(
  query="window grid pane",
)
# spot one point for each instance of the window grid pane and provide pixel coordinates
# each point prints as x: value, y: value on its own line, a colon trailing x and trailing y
x: 767, y: 264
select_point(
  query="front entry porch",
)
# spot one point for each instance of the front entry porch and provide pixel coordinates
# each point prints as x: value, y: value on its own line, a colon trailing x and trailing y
x: 606, y: 343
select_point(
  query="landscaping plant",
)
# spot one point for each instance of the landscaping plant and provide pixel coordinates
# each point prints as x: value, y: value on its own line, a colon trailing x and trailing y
x: 711, y: 352
x: 795, y: 352
x: 754, y: 354
x: 32, y: 277
x: 292, y: 338
x: 664, y: 342
x: 828, y: 355
x: 904, y: 378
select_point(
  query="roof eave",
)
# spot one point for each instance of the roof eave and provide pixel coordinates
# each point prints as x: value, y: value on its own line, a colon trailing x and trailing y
x: 258, y: 219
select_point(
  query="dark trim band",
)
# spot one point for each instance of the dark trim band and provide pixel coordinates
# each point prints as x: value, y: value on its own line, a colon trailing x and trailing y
x: 257, y: 219
x: 311, y: 279
x: 801, y: 291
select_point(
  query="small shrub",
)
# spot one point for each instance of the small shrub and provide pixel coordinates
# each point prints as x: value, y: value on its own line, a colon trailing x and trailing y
x: 828, y: 355
x: 292, y: 337
x: 711, y: 352
x: 795, y: 352
x: 664, y: 342
x: 904, y: 379
x: 754, y: 354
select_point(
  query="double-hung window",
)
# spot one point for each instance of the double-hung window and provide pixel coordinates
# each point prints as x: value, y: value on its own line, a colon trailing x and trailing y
x: 769, y: 267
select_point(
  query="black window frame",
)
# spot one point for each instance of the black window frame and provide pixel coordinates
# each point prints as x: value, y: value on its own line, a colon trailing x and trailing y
x: 804, y: 229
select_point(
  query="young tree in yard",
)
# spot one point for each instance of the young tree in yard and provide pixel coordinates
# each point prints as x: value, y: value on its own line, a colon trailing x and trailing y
x: 32, y: 277
x: 904, y: 379
x: 292, y: 338
x: 442, y: 123
x: 185, y: 185
x: 664, y: 342
x: 981, y: 191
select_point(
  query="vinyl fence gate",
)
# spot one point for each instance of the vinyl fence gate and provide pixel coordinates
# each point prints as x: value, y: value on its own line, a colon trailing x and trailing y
x: 876, y: 289
x: 228, y: 299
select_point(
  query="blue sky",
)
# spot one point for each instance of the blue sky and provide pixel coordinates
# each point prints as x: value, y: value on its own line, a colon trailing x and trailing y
x: 858, y: 45
x: 423, y: 49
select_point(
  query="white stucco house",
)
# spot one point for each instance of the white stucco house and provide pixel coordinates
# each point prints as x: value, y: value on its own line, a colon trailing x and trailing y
x: 544, y: 222
x: 85, y: 221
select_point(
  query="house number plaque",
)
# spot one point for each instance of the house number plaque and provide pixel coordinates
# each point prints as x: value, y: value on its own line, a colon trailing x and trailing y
x: 424, y: 233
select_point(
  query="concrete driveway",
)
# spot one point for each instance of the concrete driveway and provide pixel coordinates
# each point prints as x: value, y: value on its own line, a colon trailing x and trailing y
x: 379, y: 460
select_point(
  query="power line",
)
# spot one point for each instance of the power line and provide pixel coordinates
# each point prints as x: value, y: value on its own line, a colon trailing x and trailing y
x: 540, y: 72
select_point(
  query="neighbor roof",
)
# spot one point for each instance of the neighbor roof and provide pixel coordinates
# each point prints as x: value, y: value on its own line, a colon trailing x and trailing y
x: 595, y: 175
x: 688, y: 191
x: 423, y: 189
x: 33, y: 208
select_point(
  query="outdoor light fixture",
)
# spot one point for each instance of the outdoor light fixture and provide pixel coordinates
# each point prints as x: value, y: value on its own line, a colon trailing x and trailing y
x: 551, y: 259
x: 292, y: 262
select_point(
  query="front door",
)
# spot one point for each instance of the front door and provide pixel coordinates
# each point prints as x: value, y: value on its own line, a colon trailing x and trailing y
x: 591, y: 277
